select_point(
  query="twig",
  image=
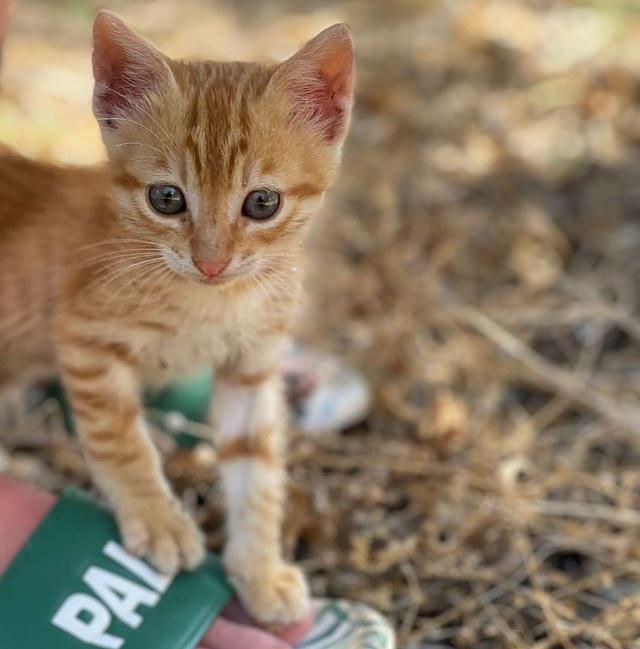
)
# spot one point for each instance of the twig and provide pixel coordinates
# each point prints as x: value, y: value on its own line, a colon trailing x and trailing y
x: 616, y: 515
x: 416, y: 596
x: 561, y: 380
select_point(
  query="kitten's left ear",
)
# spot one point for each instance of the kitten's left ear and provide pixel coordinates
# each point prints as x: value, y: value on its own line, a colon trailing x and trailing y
x: 319, y: 80
x: 126, y: 68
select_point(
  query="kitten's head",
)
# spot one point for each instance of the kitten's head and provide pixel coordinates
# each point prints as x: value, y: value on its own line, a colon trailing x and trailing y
x: 220, y: 164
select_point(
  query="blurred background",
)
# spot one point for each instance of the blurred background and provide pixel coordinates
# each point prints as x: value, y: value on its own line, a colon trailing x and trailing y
x: 478, y: 261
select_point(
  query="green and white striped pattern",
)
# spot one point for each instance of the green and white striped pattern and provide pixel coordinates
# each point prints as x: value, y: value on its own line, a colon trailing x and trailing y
x: 348, y: 625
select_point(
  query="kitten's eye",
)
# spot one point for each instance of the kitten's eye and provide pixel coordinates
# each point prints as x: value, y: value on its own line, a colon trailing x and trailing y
x: 261, y: 204
x: 167, y: 199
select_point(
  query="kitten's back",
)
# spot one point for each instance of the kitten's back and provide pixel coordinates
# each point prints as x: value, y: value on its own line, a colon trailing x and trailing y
x: 45, y: 215
x: 33, y: 191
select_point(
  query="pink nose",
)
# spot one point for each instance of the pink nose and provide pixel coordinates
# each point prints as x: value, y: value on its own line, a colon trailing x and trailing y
x: 211, y: 268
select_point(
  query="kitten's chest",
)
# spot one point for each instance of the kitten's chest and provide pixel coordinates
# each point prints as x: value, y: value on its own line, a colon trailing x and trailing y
x: 190, y: 347
x: 207, y: 331
x: 210, y: 337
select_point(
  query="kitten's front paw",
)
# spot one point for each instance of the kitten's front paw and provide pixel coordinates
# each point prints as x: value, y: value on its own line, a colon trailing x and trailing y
x: 163, y: 533
x: 275, y: 595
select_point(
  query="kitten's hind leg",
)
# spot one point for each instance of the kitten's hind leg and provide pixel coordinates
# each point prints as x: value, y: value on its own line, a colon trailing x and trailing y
x: 249, y: 418
x: 102, y: 387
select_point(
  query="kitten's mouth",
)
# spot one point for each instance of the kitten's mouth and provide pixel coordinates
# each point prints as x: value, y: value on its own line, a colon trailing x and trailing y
x: 219, y: 280
x: 213, y: 281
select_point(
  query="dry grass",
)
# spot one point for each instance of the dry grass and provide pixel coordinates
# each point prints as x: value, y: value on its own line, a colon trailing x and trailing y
x: 479, y: 260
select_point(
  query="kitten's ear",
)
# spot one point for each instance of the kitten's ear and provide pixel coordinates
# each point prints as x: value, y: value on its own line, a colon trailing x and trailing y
x: 126, y: 68
x: 319, y: 80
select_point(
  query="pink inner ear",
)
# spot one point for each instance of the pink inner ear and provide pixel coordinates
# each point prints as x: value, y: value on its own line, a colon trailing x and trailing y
x: 320, y: 77
x: 124, y: 67
x: 113, y: 93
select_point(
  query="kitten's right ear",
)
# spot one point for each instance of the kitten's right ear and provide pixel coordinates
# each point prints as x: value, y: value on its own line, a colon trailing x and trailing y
x: 126, y: 68
x: 319, y: 79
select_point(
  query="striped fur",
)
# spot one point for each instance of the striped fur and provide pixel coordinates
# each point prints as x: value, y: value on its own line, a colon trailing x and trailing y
x: 96, y: 286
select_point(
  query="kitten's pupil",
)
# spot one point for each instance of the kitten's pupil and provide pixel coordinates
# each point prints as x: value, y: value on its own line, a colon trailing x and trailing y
x: 167, y: 199
x: 261, y: 204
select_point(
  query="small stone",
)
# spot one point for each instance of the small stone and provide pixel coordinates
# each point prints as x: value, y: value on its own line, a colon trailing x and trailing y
x: 205, y: 455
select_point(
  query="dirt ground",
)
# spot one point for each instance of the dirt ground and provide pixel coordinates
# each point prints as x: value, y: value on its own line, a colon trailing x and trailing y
x: 478, y: 260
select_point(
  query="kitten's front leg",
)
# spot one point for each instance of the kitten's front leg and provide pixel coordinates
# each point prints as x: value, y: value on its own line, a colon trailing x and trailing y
x: 249, y: 417
x: 101, y: 384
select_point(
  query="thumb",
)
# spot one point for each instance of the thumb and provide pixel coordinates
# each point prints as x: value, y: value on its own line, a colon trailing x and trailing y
x: 225, y: 634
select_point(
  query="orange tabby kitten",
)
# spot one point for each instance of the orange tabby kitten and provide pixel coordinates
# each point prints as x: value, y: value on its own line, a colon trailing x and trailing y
x: 184, y: 250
